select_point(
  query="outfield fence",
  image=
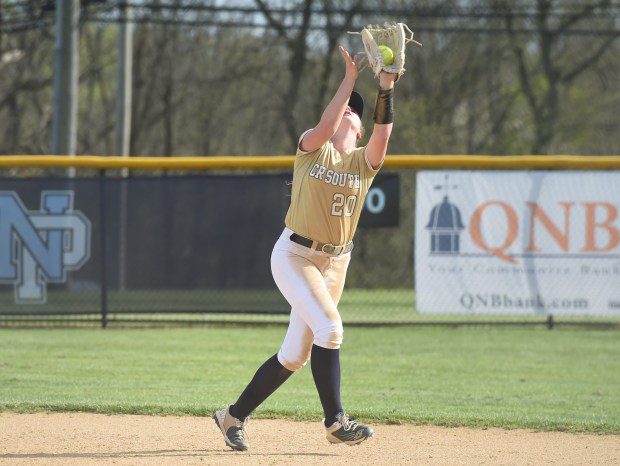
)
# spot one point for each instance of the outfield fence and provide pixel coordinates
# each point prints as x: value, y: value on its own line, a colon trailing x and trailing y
x: 189, y: 239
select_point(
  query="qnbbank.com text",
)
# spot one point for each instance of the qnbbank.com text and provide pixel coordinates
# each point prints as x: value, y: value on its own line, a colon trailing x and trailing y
x: 481, y: 301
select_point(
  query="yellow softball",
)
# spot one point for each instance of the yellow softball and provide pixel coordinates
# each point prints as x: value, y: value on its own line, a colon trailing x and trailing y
x: 388, y: 55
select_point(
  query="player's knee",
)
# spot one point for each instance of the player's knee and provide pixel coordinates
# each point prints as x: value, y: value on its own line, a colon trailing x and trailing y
x: 293, y: 361
x: 329, y: 336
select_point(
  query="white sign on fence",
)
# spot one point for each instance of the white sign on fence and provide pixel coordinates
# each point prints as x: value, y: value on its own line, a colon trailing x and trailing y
x: 538, y: 242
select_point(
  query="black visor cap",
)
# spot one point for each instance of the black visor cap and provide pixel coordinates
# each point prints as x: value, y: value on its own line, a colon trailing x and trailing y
x: 356, y: 102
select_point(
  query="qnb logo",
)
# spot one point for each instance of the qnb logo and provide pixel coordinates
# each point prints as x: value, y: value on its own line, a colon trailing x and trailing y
x: 597, y: 221
x: 40, y: 247
x: 583, y: 228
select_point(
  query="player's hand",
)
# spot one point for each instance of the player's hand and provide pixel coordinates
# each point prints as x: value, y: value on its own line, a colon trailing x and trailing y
x: 387, y: 80
x: 351, y: 71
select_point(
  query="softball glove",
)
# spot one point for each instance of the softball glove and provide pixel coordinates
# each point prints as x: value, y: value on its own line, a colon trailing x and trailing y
x: 392, y: 35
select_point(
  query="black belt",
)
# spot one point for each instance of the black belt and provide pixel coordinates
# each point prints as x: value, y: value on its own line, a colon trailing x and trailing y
x: 315, y: 245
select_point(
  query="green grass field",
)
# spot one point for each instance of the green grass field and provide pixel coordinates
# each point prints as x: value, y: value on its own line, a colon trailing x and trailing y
x: 488, y: 376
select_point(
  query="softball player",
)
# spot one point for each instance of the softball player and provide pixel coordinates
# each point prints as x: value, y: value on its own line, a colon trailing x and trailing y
x: 309, y: 262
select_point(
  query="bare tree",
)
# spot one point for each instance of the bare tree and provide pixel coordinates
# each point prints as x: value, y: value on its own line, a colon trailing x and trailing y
x: 335, y: 31
x: 210, y: 88
x: 296, y: 43
x: 552, y: 66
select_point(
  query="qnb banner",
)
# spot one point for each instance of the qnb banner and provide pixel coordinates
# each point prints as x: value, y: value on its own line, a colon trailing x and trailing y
x: 518, y: 242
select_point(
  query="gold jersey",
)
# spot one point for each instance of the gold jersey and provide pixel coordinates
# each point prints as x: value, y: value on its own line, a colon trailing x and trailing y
x: 328, y: 193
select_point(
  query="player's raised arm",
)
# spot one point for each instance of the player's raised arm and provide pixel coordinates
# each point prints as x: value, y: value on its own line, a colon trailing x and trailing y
x: 332, y: 115
x: 384, y: 116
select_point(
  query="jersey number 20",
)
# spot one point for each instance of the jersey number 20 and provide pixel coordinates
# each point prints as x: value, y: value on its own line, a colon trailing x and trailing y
x: 343, y: 205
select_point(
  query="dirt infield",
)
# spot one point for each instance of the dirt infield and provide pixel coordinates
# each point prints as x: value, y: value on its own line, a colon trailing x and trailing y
x: 80, y: 438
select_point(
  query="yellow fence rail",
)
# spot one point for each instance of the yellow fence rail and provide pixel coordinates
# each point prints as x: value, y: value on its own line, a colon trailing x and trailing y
x: 599, y: 162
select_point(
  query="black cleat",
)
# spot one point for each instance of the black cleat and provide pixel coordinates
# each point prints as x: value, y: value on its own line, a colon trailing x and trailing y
x: 233, y: 429
x: 348, y: 431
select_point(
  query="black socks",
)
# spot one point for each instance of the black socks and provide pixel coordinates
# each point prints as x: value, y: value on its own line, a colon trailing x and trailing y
x: 267, y: 379
x: 326, y: 372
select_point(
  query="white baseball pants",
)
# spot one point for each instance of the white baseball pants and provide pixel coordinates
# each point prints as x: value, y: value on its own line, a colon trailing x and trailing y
x: 312, y: 283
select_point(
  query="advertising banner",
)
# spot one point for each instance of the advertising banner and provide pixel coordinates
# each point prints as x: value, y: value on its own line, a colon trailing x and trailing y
x: 538, y: 243
x: 174, y: 243
x: 382, y: 203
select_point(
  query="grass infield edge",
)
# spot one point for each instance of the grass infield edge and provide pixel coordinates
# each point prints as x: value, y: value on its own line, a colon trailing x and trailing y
x: 207, y: 411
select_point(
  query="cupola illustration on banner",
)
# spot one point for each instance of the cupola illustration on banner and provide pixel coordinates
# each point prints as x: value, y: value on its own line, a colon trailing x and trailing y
x: 445, y: 225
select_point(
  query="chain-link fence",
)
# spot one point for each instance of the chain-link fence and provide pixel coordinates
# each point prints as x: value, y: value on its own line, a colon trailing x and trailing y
x: 194, y: 248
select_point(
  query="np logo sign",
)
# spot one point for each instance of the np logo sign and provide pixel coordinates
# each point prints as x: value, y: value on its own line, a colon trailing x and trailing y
x: 40, y: 247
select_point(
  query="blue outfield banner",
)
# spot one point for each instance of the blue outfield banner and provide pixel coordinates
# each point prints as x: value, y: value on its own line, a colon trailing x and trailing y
x: 382, y: 205
x: 150, y: 244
